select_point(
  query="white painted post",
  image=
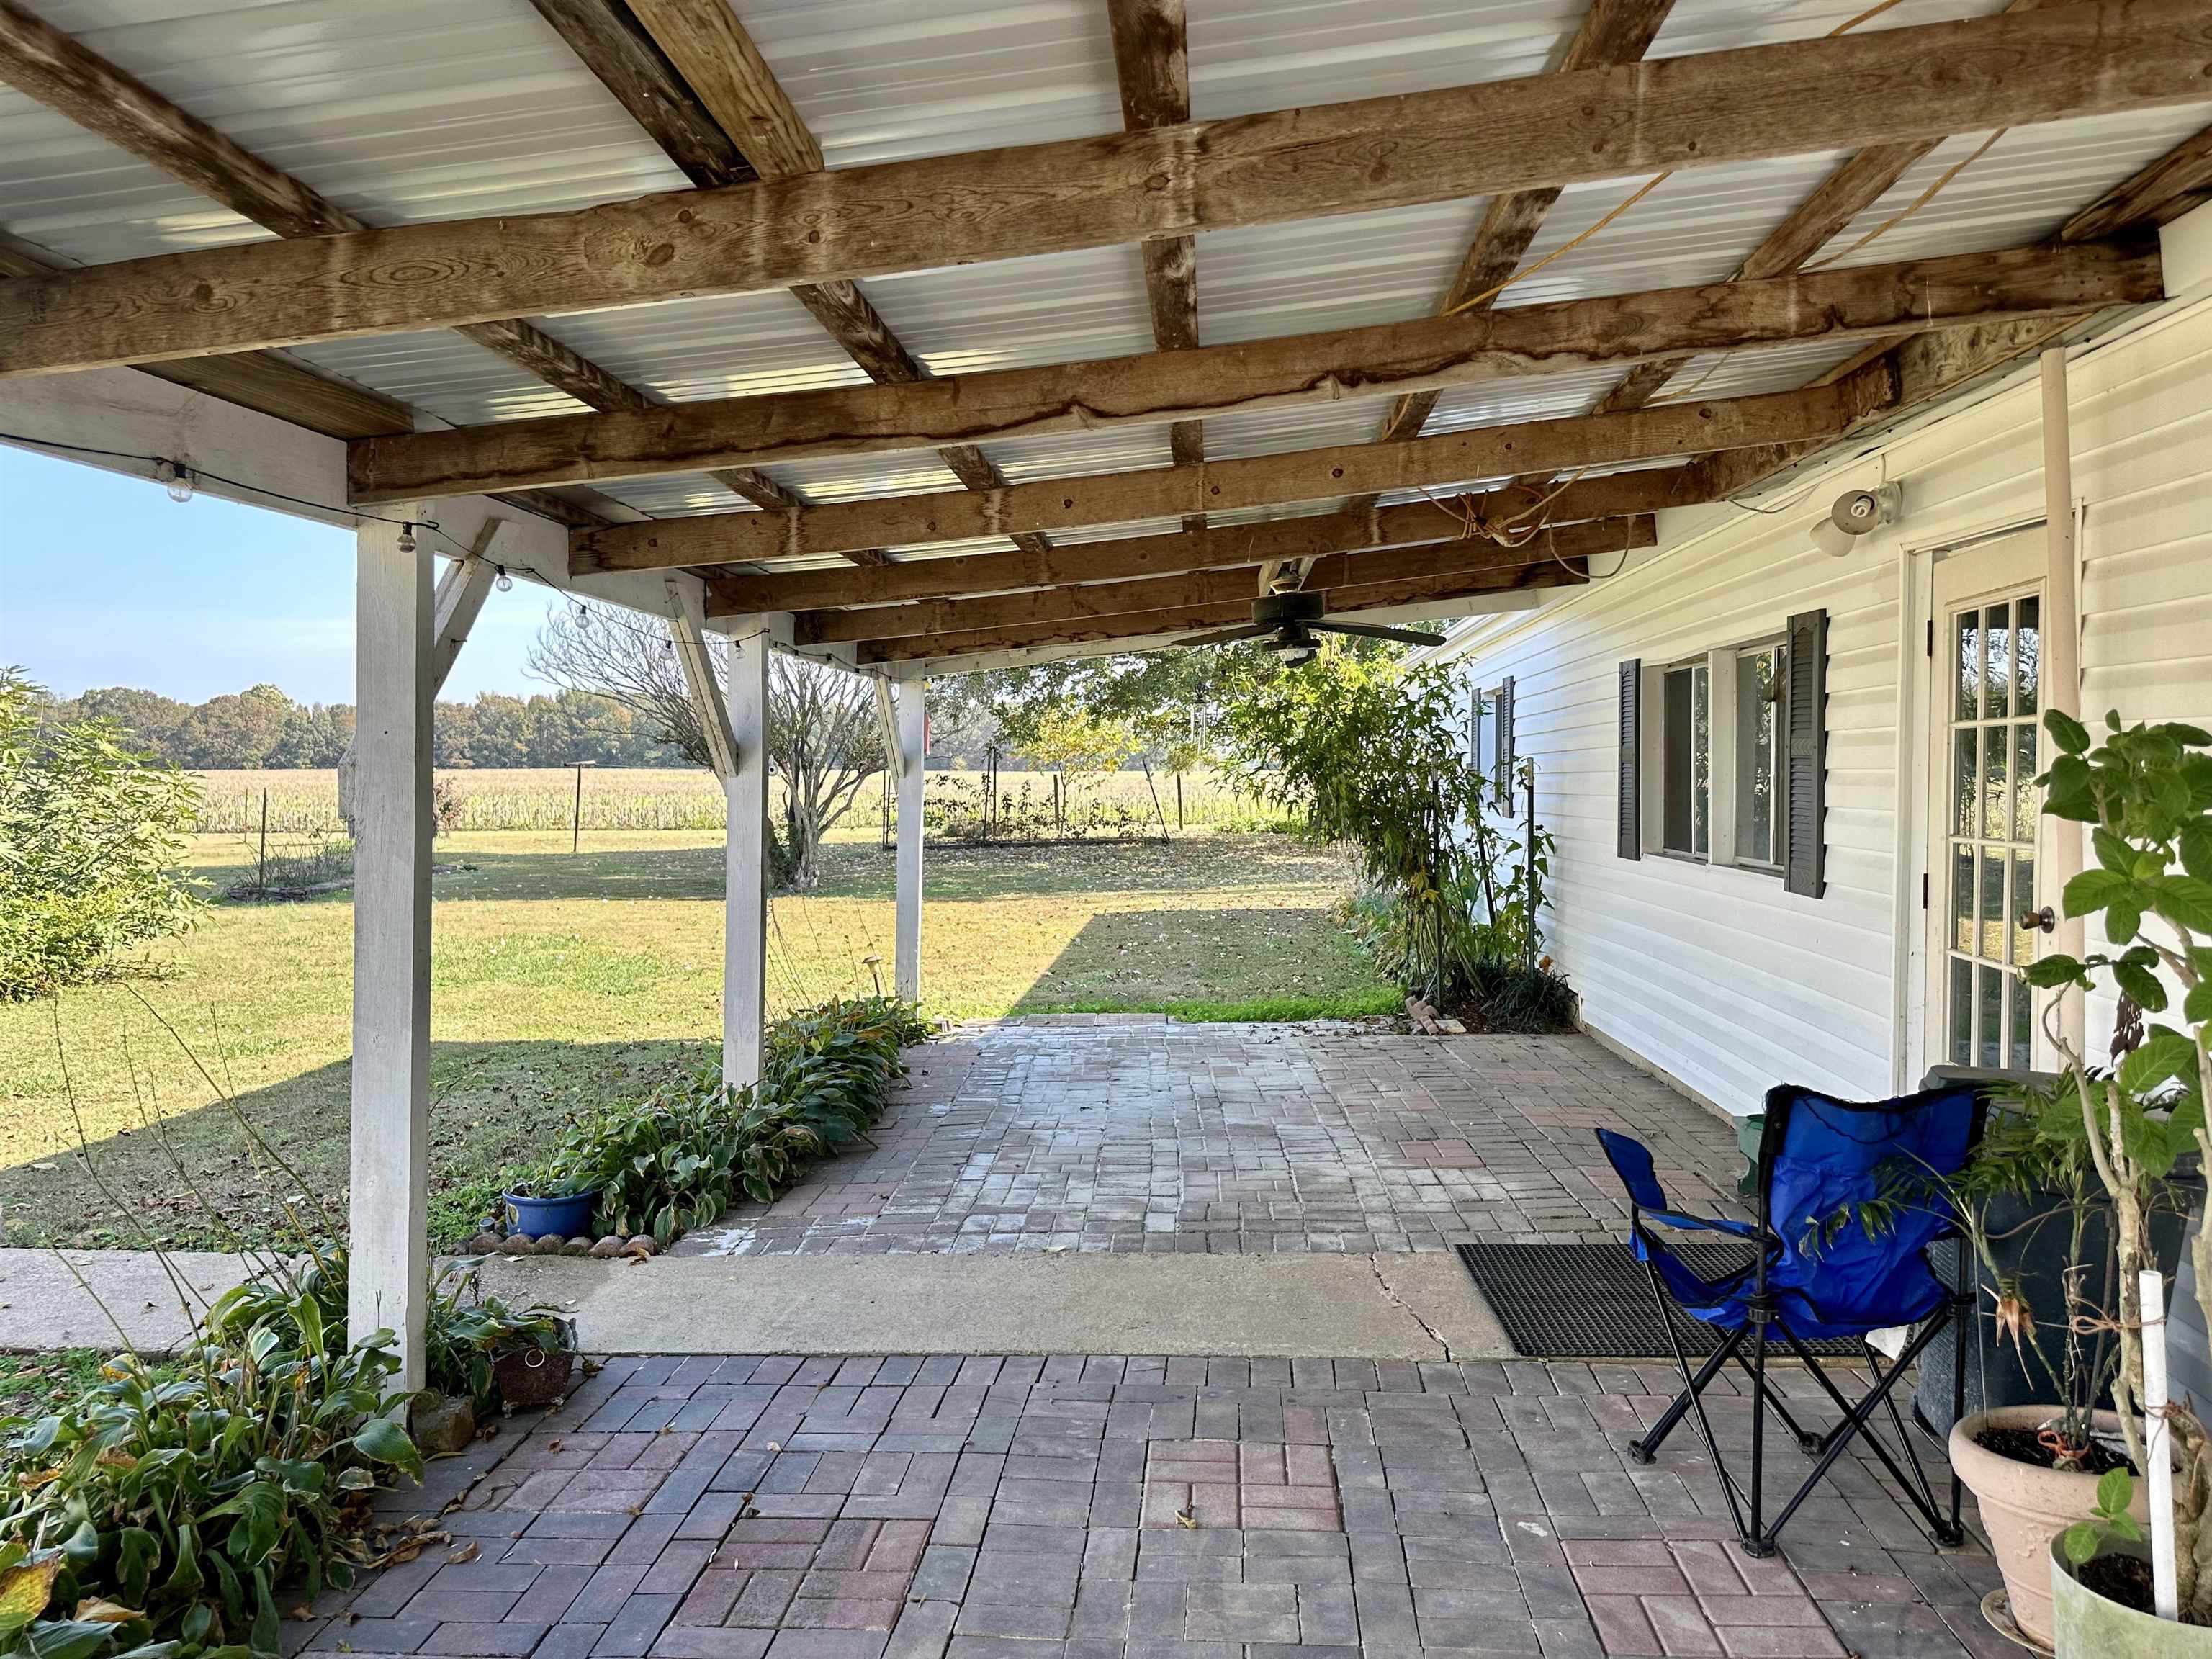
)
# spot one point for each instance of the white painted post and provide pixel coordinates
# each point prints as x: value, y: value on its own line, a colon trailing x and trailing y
x: 906, y: 960
x: 2060, y: 675
x: 391, y: 1139
x: 744, y: 945
x: 2157, y: 1445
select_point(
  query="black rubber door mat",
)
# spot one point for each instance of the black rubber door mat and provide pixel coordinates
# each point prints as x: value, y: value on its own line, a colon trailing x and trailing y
x: 1594, y: 1301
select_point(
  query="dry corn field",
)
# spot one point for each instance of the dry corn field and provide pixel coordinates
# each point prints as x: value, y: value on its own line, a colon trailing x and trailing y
x: 304, y: 802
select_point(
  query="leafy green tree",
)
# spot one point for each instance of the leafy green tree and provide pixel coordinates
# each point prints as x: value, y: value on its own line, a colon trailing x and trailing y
x: 150, y: 720
x: 1171, y: 702
x: 235, y: 732
x: 90, y: 833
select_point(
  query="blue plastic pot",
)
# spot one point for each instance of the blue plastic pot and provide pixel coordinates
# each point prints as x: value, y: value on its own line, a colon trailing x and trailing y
x: 570, y: 1216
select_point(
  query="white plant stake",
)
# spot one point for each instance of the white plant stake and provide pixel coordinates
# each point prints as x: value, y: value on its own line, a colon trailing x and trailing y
x: 2158, y: 1447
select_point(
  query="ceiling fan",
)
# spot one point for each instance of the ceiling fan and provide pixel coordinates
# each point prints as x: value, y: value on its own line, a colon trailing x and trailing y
x: 1295, y: 618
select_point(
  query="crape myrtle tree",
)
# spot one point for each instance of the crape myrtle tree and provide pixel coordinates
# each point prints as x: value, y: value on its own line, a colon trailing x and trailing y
x: 824, y: 737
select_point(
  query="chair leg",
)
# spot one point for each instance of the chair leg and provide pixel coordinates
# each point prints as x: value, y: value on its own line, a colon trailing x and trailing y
x: 1808, y: 1442
x: 1692, y: 1400
x: 1755, y: 1541
x: 1966, y: 1309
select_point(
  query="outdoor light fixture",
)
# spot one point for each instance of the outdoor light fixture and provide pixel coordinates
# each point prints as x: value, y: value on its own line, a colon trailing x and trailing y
x: 502, y: 581
x: 175, y: 478
x: 406, y: 538
x: 1857, y: 512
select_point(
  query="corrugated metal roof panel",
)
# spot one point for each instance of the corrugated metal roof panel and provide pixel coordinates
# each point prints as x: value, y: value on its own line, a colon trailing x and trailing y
x: 1058, y: 308
x: 443, y: 372
x: 679, y: 494
x: 739, y: 345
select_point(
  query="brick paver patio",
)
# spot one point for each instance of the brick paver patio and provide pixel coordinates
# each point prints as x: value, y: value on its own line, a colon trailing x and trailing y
x: 1097, y: 1507
x: 1132, y: 1133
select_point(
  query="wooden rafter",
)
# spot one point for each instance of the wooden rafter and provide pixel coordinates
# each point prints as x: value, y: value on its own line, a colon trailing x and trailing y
x: 1882, y: 87
x: 2160, y: 193
x: 1233, y: 583
x: 1152, y: 61
x: 1125, y: 558
x: 710, y: 52
x: 628, y: 63
x: 1437, y: 591
x: 39, y: 60
x: 1611, y: 32
x: 1563, y: 337
x: 1261, y: 481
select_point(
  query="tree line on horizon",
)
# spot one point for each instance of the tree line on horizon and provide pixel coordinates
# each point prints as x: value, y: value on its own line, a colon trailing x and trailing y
x: 262, y: 727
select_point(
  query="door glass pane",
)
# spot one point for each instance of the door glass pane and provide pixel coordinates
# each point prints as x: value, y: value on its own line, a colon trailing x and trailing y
x: 2023, y: 899
x: 1989, y: 1016
x: 1962, y: 898
x: 1963, y: 817
x: 2021, y: 1044
x: 1996, y: 798
x: 2026, y: 803
x: 1962, y: 1011
x: 2027, y: 654
x: 1755, y: 753
x: 1701, y: 750
x: 1994, y: 924
x: 1969, y: 659
x: 1997, y: 646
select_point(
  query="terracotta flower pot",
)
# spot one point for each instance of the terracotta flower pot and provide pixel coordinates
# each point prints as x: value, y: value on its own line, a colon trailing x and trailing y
x: 2024, y: 1506
x: 2090, y: 1627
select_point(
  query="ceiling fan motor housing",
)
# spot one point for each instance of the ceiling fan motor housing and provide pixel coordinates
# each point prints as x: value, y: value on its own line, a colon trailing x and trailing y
x: 1275, y: 609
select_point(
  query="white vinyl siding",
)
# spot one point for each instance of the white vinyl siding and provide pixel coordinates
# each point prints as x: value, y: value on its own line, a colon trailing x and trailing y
x: 1715, y: 975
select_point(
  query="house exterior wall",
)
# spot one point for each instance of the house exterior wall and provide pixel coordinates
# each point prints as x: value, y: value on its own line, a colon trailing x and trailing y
x: 1714, y: 976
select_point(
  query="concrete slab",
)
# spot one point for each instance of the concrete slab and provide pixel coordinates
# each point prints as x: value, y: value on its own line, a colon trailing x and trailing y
x: 77, y: 1298
x: 1394, y: 1306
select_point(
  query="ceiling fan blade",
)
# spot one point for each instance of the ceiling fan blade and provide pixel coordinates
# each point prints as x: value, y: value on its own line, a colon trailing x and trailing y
x: 1400, y: 636
x: 1226, y: 635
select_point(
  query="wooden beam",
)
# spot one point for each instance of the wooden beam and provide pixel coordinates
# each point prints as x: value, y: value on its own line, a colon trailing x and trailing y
x: 1869, y: 302
x: 1611, y: 32
x: 1438, y: 591
x: 1578, y: 441
x: 1238, y: 583
x: 2179, y: 180
x: 1151, y: 61
x: 614, y: 48
x: 1888, y: 86
x: 711, y: 51
x: 50, y: 66
x: 1312, y: 537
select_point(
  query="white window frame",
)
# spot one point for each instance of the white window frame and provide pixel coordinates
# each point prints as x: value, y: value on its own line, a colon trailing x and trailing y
x: 1720, y: 666
x: 1727, y: 662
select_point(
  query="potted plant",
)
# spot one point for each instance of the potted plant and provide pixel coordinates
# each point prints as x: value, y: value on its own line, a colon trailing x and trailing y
x: 555, y: 1200
x: 2146, y: 791
x: 485, y: 1353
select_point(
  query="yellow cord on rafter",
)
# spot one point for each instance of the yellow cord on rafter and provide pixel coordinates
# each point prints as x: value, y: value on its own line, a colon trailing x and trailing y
x: 1915, y: 204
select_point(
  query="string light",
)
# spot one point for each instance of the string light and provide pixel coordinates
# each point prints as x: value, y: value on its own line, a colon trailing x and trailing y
x: 175, y: 478
x: 502, y: 581
x: 406, y: 538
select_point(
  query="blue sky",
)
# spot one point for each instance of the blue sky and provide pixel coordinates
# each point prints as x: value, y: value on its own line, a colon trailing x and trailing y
x: 105, y: 581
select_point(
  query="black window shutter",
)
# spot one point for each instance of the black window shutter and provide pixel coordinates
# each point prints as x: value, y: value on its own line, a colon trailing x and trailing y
x: 1807, y: 671
x: 1632, y: 808
x: 1505, y: 732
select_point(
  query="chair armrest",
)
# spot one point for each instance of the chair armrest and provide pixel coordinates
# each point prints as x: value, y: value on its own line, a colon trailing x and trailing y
x: 1708, y: 1223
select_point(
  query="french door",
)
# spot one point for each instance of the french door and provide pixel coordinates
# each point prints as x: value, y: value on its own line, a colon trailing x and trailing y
x: 1985, y: 809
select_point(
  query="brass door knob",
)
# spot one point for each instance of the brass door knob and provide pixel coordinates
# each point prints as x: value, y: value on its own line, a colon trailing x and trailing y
x: 2043, y: 920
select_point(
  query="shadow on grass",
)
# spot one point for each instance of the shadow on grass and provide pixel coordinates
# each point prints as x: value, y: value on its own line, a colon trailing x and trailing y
x: 1273, y: 962
x: 196, y: 1181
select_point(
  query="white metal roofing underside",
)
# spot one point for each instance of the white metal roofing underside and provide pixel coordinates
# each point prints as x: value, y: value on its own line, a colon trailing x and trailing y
x: 410, y: 110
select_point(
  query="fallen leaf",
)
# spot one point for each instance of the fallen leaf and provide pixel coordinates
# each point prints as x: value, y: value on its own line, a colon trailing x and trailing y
x: 463, y: 1556
x: 1183, y: 1518
x: 95, y: 1611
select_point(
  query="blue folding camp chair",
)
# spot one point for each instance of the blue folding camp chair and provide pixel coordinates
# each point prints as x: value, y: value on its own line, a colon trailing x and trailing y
x: 1810, y: 1278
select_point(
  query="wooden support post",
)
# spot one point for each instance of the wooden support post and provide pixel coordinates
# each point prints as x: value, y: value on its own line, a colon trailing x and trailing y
x: 906, y: 960
x: 2062, y: 660
x: 391, y: 1138
x: 744, y: 947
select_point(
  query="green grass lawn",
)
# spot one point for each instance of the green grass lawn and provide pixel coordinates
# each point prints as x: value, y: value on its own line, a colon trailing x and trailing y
x: 559, y: 980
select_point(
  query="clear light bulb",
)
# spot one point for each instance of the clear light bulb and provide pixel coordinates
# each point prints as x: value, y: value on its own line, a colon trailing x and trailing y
x: 176, y: 478
x: 406, y: 538
x: 502, y: 581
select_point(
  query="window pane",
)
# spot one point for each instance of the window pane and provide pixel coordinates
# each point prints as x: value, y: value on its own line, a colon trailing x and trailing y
x: 1997, y: 644
x: 2025, y: 802
x: 1965, y: 820
x: 1995, y: 924
x: 1700, y: 760
x: 1754, y: 758
x: 2027, y: 654
x: 1962, y: 898
x: 1989, y: 1016
x: 1677, y: 825
x: 2023, y: 899
x: 1969, y: 660
x: 2022, y: 1043
x: 1962, y: 1011
x: 1996, y: 796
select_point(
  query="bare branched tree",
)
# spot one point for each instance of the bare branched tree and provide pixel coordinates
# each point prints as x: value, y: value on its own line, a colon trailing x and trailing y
x: 825, y: 739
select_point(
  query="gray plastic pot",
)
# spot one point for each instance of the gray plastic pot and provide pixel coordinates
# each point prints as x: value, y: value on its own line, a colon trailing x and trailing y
x: 2085, y: 1626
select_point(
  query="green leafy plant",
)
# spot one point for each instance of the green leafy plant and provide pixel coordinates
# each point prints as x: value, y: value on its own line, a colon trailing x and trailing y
x: 1374, y: 754
x: 2145, y: 791
x: 2110, y: 1519
x: 90, y: 836
x: 161, y: 1515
